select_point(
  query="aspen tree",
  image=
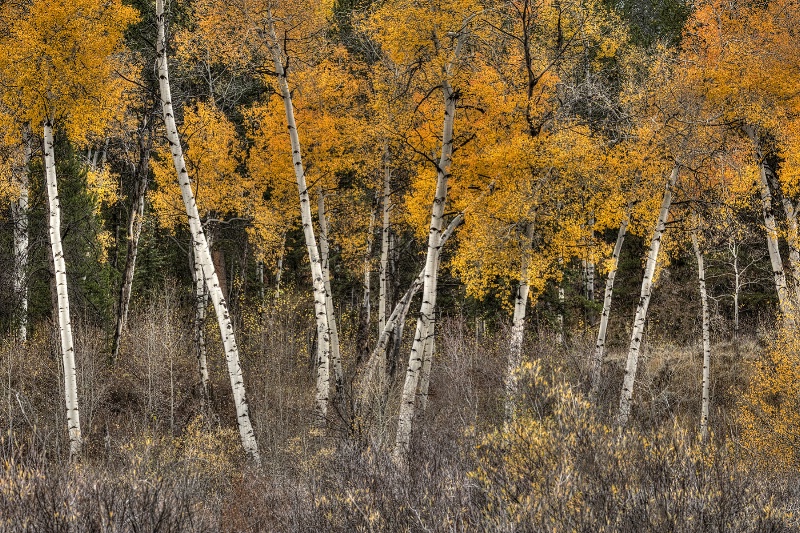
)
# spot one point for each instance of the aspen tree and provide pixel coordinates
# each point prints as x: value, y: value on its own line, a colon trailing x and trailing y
x: 62, y: 57
x: 320, y: 300
x: 64, y: 322
x: 600, y: 344
x: 644, y: 300
x: 426, y: 319
x: 770, y: 225
x: 372, y: 383
x: 518, y: 330
x: 210, y: 276
x: 701, y: 278
x: 333, y: 332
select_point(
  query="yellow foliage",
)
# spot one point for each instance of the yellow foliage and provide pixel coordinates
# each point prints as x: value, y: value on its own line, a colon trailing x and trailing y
x: 212, y: 157
x: 62, y: 56
x: 769, y: 412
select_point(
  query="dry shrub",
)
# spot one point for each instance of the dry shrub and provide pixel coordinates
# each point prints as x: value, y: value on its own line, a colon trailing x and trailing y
x: 558, y: 468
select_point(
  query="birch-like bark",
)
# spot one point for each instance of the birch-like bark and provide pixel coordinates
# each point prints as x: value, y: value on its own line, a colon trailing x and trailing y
x: 792, y: 231
x: 384, y: 281
x: 560, y: 335
x: 320, y: 304
x: 428, y: 349
x: 333, y: 331
x: 134, y: 232
x: 204, y: 254
x: 64, y: 322
x: 373, y: 381
x: 644, y: 301
x: 701, y: 278
x: 600, y: 345
x: 517, y: 331
x: 771, y: 227
x: 426, y: 318
x: 200, y: 305
x: 19, y: 218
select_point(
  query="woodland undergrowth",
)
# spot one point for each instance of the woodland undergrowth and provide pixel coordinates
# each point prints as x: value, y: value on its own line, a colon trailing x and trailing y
x: 163, y: 457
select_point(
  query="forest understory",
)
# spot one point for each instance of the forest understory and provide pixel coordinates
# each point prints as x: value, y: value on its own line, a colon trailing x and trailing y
x: 162, y: 457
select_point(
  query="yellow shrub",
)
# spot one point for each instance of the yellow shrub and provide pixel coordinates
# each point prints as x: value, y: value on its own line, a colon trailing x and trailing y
x: 769, y: 413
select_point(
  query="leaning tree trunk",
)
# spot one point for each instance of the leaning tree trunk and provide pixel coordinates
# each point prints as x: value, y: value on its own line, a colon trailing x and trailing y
x: 333, y: 331
x: 246, y: 433
x: 425, y: 323
x: 517, y: 331
x: 383, y: 295
x: 644, y: 302
x: 372, y: 382
x: 19, y: 218
x: 701, y: 277
x: 134, y: 232
x: 200, y: 305
x: 320, y: 300
x: 64, y: 323
x: 771, y: 227
x: 600, y: 345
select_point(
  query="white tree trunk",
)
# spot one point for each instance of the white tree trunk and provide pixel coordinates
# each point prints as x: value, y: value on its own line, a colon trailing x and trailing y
x: 428, y: 349
x: 384, y: 281
x: 19, y: 218
x: 701, y: 277
x: 517, y: 331
x: 201, y: 302
x: 771, y: 228
x: 644, y: 301
x: 560, y: 336
x: 600, y: 345
x: 426, y: 318
x: 64, y: 323
x: 333, y: 331
x: 210, y: 276
x: 320, y: 304
x: 372, y: 382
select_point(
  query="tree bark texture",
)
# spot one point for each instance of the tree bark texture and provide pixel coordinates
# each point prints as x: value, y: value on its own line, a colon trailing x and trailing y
x: 320, y: 300
x: 701, y: 278
x: 600, y: 345
x: 60, y: 270
x: 333, y: 331
x: 426, y: 318
x: 204, y: 254
x: 644, y: 301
